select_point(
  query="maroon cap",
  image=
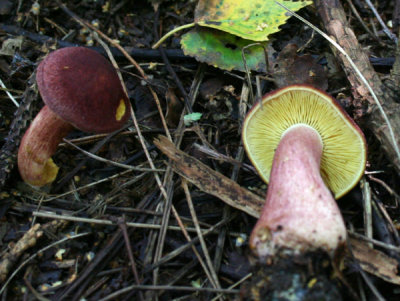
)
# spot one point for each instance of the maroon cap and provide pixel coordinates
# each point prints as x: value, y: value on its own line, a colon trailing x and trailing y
x: 83, y: 88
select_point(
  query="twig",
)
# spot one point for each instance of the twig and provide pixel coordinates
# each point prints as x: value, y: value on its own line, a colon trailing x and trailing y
x: 30, y: 287
x: 8, y: 93
x: 366, y: 191
x: 101, y: 159
x: 93, y: 150
x: 122, y: 226
x: 355, y: 12
x: 77, y: 219
x: 378, y: 17
x: 384, y: 185
x: 236, y: 284
x: 185, y: 247
x: 137, y: 53
x: 385, y: 214
x: 375, y: 242
x: 199, y: 258
x: 169, y: 288
x: 224, y: 158
x: 89, y: 185
x: 201, y: 238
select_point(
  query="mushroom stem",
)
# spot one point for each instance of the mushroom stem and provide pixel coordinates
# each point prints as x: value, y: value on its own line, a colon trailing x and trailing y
x: 38, y: 145
x: 300, y: 213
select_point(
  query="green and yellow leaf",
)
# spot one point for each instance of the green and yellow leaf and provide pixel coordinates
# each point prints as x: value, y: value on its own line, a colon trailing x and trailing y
x: 253, y: 20
x: 223, y: 50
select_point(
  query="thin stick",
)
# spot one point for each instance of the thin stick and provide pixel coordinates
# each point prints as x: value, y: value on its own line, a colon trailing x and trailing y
x: 168, y: 288
x: 122, y: 226
x: 8, y: 93
x: 90, y: 185
x: 185, y: 247
x: 77, y: 219
x: 375, y: 242
x: 201, y: 261
x: 201, y: 238
x: 357, y: 15
x: 366, y: 192
x: 378, y: 17
x: 101, y: 159
x: 235, y: 284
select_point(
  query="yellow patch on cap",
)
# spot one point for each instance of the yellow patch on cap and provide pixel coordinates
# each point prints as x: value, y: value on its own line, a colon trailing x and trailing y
x: 120, y: 110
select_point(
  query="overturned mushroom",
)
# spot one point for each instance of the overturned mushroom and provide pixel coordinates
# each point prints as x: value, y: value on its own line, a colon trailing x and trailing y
x: 307, y: 148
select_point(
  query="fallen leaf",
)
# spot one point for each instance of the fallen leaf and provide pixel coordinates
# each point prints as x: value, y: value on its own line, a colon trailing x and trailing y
x: 254, y: 20
x: 223, y: 50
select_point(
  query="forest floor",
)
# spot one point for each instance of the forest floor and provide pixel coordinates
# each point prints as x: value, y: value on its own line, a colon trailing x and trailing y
x: 163, y: 225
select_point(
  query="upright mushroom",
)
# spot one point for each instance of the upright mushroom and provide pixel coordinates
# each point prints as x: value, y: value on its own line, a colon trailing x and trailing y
x: 310, y: 151
x: 81, y: 89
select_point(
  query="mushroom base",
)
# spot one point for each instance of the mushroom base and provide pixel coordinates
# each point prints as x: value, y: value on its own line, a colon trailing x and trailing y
x: 300, y: 213
x: 38, y: 145
x: 286, y: 278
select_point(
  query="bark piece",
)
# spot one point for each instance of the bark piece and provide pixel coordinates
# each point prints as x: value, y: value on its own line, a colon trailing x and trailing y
x: 210, y: 181
x: 375, y: 262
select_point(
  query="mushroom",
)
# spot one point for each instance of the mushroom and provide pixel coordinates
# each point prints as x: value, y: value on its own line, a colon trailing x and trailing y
x: 80, y: 89
x: 310, y: 151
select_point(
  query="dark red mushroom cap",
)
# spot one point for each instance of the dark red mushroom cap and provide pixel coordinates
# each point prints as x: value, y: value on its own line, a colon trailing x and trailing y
x: 83, y: 88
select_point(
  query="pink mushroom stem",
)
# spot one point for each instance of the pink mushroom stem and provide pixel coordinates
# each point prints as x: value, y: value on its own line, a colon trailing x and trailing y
x: 38, y: 145
x: 300, y: 213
